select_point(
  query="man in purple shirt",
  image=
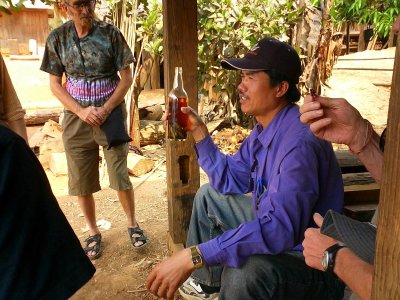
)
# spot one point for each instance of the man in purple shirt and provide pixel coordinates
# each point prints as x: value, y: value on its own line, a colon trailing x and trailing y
x: 250, y: 248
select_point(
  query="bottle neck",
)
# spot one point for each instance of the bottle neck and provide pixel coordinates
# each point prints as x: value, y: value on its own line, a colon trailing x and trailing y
x: 178, y: 81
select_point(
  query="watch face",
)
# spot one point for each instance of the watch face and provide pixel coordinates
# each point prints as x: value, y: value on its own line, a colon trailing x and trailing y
x: 197, y: 260
x: 325, y: 261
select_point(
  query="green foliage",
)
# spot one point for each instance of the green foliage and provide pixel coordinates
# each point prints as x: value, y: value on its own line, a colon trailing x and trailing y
x: 8, y: 6
x: 228, y: 28
x: 381, y: 14
x: 150, y: 26
x: 149, y: 22
x: 378, y: 13
x: 225, y: 29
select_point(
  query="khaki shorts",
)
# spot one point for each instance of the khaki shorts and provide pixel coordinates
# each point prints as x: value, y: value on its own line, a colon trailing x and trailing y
x: 81, y: 143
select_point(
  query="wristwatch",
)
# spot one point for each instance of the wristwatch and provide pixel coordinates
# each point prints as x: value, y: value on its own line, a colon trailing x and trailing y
x: 328, y: 260
x: 197, y: 259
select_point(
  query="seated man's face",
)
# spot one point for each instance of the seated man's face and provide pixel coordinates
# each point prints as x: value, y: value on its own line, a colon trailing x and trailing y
x: 257, y: 97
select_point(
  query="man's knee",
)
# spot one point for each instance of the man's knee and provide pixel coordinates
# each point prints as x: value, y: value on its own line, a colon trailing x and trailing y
x: 258, y: 278
x: 204, y: 190
x: 202, y: 194
x: 283, y: 276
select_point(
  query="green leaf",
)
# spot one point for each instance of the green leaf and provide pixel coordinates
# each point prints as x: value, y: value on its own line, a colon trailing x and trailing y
x: 248, y: 20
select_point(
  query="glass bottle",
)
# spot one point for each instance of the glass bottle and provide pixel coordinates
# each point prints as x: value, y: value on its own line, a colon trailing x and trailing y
x: 178, y: 121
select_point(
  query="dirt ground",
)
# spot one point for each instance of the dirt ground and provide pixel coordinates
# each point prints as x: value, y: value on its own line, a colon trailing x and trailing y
x: 121, y: 271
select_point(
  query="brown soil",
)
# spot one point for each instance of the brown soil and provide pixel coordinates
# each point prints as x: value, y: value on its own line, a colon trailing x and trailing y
x: 121, y: 271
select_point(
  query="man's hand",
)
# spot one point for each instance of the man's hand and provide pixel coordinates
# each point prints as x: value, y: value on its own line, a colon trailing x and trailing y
x: 103, y: 113
x: 334, y: 120
x: 196, y: 125
x: 315, y: 243
x: 94, y: 116
x: 167, y: 276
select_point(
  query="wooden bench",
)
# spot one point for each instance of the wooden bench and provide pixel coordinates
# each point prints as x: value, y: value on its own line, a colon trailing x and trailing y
x: 361, y: 192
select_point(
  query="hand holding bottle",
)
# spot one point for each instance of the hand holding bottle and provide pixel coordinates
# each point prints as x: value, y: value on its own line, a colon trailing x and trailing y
x: 179, y: 117
x: 196, y: 125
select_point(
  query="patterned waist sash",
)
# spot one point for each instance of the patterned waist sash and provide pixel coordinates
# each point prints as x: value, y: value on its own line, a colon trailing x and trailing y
x: 91, y: 93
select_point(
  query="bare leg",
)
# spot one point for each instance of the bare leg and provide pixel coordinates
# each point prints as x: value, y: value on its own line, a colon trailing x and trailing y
x: 128, y: 204
x: 89, y: 211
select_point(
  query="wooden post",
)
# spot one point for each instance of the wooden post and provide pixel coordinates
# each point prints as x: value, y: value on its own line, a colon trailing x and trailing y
x: 387, y: 267
x: 361, y: 39
x: 347, y: 37
x: 183, y: 176
x: 391, y: 39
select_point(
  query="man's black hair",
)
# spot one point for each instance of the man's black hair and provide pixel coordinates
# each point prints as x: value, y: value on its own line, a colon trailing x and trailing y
x: 292, y: 94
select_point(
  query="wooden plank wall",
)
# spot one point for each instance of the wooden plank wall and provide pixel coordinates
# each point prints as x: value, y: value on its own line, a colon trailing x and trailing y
x: 18, y: 28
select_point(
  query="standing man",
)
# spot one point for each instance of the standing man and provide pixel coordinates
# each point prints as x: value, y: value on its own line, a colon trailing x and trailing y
x: 250, y: 248
x: 91, y: 53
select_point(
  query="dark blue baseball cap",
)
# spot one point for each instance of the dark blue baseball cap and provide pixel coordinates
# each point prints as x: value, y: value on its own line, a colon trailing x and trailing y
x: 268, y: 54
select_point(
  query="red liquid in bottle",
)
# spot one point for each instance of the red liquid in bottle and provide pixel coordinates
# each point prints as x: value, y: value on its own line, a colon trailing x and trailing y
x: 178, y: 122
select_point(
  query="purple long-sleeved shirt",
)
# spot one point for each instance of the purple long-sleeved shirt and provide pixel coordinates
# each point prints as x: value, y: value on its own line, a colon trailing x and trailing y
x: 295, y: 174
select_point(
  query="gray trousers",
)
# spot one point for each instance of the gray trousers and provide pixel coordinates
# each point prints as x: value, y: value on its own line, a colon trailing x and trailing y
x: 284, y: 276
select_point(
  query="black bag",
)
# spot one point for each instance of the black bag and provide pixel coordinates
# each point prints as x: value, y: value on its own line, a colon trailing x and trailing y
x: 114, y: 128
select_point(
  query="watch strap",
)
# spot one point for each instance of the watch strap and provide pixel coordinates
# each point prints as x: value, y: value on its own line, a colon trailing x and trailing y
x: 197, y: 258
x: 331, y: 253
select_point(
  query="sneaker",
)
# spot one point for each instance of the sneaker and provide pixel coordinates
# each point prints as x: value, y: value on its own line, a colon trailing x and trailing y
x: 191, y: 290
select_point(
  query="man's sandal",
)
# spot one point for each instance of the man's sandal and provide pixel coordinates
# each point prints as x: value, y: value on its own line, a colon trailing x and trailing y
x: 138, y: 239
x: 96, y: 248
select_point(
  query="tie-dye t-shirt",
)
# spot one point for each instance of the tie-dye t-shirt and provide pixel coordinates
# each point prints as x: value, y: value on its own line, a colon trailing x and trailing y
x: 91, y: 64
